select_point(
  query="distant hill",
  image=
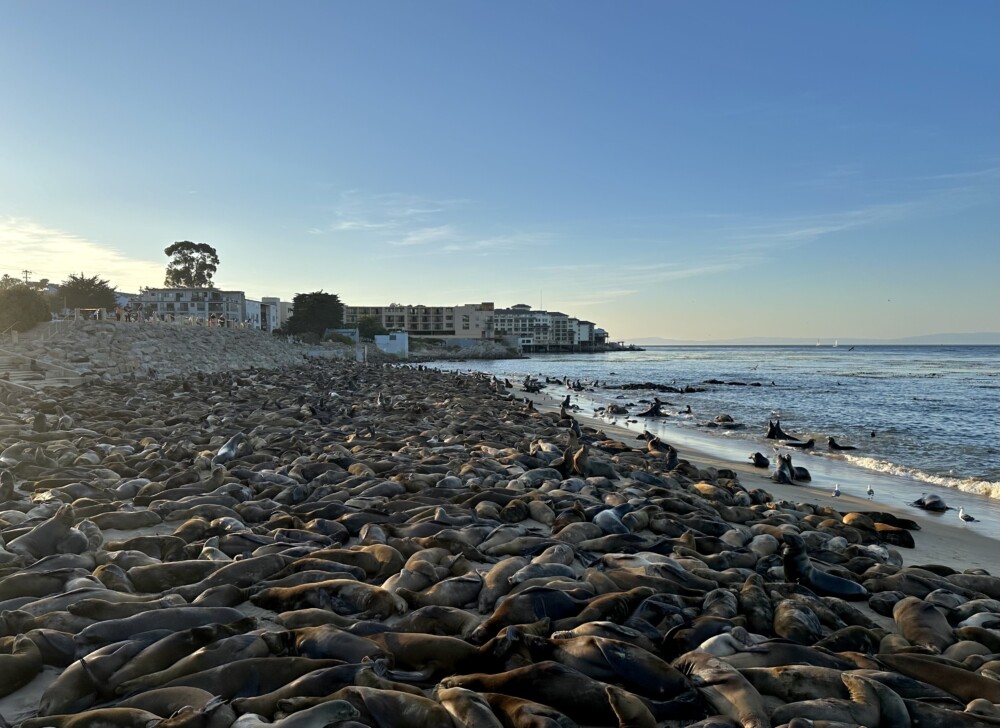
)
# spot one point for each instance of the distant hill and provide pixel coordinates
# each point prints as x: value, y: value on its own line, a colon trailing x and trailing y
x: 980, y: 338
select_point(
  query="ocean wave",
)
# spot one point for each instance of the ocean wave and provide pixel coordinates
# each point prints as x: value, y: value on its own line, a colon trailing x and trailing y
x: 987, y: 488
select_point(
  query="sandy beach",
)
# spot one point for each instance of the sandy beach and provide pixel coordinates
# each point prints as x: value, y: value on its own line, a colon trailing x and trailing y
x: 342, y: 458
x: 941, y: 540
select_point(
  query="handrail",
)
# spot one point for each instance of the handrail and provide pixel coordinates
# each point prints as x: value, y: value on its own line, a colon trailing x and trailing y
x: 16, y: 385
x: 76, y: 372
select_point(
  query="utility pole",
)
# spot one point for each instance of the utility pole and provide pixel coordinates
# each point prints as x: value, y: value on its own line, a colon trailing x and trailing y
x: 26, y: 274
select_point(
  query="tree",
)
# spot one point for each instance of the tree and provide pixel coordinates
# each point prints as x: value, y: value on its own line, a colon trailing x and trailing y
x: 193, y: 265
x: 315, y: 312
x: 78, y: 291
x: 370, y: 326
x: 22, y: 308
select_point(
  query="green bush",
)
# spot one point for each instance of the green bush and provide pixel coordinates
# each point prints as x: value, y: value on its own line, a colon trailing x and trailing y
x: 338, y: 339
x: 23, y: 308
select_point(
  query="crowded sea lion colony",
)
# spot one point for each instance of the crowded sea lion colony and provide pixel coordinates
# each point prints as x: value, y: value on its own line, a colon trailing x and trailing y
x: 394, y: 547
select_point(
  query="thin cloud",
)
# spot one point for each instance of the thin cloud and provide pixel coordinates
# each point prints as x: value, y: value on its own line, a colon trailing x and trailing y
x: 425, y: 236
x: 54, y: 254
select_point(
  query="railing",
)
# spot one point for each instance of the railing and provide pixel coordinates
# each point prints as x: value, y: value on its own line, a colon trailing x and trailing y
x: 7, y: 333
x: 46, y: 364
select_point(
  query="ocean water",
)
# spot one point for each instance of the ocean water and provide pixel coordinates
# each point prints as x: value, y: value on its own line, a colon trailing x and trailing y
x: 934, y: 410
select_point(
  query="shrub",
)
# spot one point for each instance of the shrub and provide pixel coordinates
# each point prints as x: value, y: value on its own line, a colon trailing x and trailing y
x: 23, y: 308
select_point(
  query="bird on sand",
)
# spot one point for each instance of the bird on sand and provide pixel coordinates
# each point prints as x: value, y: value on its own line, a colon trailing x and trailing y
x: 966, y: 517
x: 836, y: 490
x: 870, y: 492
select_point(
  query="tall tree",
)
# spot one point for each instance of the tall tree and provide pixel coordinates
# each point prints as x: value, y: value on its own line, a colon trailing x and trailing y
x: 192, y: 265
x: 79, y: 291
x: 315, y: 312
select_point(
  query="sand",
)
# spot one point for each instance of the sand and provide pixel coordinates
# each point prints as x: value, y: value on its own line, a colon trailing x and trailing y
x: 939, y: 541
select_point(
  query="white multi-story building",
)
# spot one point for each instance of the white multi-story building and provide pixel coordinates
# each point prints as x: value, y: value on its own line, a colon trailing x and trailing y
x: 207, y: 305
x: 543, y: 330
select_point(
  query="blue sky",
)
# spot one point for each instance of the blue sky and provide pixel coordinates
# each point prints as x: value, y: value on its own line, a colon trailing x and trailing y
x: 687, y: 170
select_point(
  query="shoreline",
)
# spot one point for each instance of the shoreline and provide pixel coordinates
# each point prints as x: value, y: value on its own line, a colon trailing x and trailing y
x: 937, y: 542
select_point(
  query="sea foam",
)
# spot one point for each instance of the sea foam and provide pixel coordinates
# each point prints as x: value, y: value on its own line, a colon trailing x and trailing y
x: 987, y: 488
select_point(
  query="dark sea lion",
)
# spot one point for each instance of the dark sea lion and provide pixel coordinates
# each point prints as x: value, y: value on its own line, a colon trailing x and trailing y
x: 774, y: 432
x: 345, y: 596
x: 759, y: 460
x: 783, y: 471
x: 220, y: 652
x: 799, y: 570
x: 253, y: 676
x: 567, y: 691
x: 176, y: 618
x: 393, y: 709
x: 528, y: 606
x: 163, y: 653
x: 796, y: 623
x: 807, y: 445
x: 103, y: 717
x: 834, y: 445
x: 930, y: 502
x: 599, y: 658
x: 315, y: 684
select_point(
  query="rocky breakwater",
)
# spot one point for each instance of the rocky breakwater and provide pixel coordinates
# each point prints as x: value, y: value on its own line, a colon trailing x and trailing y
x: 338, y: 544
x: 109, y: 350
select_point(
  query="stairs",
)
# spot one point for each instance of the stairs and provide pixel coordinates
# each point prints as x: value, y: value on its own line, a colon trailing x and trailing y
x: 18, y: 370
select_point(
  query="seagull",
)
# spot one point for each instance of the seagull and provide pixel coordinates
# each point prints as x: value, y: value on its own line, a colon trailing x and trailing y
x: 836, y: 490
x: 966, y: 517
x: 870, y: 491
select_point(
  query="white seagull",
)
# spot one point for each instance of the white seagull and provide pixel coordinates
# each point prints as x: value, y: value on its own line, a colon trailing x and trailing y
x: 966, y: 517
x: 836, y: 490
x: 870, y: 491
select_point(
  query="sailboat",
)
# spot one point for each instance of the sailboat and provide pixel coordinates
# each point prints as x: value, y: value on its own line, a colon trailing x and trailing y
x: 835, y: 344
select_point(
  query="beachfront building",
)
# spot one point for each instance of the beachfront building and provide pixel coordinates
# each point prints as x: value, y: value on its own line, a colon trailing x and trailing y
x: 397, y: 343
x: 206, y: 305
x: 468, y: 321
x: 537, y: 331
x: 282, y: 311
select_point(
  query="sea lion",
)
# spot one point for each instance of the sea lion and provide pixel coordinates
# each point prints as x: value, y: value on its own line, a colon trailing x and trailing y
x: 868, y: 703
x: 963, y: 684
x: 393, y: 709
x: 599, y: 658
x: 20, y: 665
x: 566, y: 690
x: 799, y: 570
x: 923, y: 624
x: 724, y: 688
x: 163, y: 653
x: 834, y: 445
x: 807, y: 445
x: 467, y: 709
x: 759, y: 460
x: 930, y: 502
